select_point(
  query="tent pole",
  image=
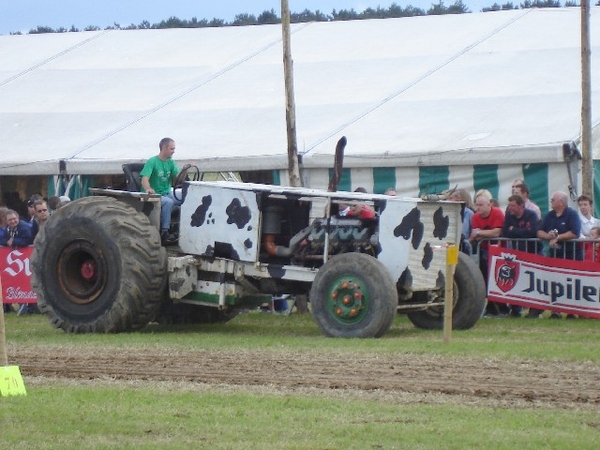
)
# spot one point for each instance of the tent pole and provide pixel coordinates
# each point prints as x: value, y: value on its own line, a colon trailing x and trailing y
x: 587, y: 174
x: 290, y: 107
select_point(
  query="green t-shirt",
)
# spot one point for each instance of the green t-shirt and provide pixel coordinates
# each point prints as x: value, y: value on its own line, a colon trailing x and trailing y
x: 160, y: 174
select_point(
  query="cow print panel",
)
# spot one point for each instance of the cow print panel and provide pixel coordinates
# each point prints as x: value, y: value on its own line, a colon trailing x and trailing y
x: 238, y: 214
x: 411, y: 225
x: 199, y: 215
x: 440, y: 223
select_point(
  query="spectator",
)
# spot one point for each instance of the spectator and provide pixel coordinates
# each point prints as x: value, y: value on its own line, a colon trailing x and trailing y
x: 585, y: 215
x: 520, y: 223
x: 17, y: 233
x: 357, y: 209
x: 3, y: 210
x: 55, y: 202
x: 158, y: 174
x: 360, y: 209
x: 41, y: 216
x: 462, y: 195
x: 30, y: 209
x: 592, y: 251
x: 391, y: 191
x: 560, y: 226
x: 520, y: 188
x: 487, y: 223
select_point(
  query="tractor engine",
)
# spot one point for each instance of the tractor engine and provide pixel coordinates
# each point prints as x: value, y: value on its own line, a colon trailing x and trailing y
x: 346, y: 235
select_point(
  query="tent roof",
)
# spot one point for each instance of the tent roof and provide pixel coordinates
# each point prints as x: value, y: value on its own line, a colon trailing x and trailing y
x: 429, y: 90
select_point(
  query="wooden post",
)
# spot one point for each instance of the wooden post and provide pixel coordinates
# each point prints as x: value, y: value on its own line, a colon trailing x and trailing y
x: 290, y: 107
x: 587, y: 170
x: 451, y: 261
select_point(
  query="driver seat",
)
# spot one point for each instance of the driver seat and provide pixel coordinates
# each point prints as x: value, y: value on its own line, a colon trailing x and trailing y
x: 133, y: 183
x: 133, y: 180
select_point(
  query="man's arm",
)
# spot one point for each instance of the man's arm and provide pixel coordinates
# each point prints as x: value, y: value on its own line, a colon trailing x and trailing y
x: 23, y: 237
x: 493, y: 233
x: 146, y: 185
x: 542, y: 234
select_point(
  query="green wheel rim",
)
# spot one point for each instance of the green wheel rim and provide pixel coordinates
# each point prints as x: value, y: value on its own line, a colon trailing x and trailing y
x: 348, y: 299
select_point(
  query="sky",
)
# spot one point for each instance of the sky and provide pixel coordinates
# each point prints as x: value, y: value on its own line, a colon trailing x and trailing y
x: 24, y: 15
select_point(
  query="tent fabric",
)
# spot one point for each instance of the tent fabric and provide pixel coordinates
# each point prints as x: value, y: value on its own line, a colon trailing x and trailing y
x: 454, y: 90
x: 542, y: 179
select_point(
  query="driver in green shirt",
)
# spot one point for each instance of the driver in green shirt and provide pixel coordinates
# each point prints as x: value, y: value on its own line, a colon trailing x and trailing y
x: 157, y: 176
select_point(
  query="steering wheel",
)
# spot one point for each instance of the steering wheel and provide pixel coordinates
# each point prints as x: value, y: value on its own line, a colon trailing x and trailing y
x: 188, y: 172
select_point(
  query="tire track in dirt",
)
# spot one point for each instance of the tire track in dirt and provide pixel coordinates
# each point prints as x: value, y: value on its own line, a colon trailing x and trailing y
x: 557, y: 383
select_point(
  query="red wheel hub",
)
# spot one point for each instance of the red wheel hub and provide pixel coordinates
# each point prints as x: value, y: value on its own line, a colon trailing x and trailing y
x: 88, y: 270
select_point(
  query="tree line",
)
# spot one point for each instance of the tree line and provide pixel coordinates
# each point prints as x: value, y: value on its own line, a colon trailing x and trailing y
x: 271, y: 17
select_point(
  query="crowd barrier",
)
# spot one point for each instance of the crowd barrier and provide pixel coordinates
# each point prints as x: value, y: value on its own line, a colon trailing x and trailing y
x: 15, y: 275
x: 522, y: 272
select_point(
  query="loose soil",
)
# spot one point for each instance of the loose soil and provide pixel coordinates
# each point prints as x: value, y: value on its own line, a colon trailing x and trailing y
x: 403, y: 378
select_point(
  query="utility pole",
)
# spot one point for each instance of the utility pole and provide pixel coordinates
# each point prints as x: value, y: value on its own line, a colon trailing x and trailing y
x: 290, y: 107
x: 587, y: 182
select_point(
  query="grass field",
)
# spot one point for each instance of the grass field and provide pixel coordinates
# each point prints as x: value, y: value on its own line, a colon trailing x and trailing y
x: 266, y: 381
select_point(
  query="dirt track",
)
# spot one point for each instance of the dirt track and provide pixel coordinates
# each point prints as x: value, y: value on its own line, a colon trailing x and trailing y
x: 405, y: 378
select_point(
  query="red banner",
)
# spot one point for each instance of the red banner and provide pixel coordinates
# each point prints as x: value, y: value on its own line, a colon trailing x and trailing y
x: 16, y: 275
x: 534, y: 281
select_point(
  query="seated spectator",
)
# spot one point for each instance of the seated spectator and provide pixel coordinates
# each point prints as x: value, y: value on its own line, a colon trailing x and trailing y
x: 391, y: 192
x: 17, y: 233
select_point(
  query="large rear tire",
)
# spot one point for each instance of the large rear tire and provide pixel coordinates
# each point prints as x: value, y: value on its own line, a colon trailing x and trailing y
x: 98, y: 266
x: 353, y: 296
x: 468, y: 302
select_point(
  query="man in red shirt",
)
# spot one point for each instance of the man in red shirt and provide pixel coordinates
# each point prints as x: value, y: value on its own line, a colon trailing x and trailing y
x: 486, y: 223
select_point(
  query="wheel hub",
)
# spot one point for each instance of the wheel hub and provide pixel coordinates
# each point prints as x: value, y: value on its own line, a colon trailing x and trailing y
x: 347, y: 299
x: 82, y: 271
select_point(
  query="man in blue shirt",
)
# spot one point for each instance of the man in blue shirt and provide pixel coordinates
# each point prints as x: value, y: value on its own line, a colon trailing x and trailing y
x: 560, y: 226
x: 17, y: 232
x: 520, y: 223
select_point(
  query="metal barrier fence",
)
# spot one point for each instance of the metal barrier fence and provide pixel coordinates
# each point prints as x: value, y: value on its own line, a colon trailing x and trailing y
x: 575, y: 249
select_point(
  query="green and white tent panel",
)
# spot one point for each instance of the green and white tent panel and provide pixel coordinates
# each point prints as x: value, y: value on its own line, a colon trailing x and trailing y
x: 412, y: 181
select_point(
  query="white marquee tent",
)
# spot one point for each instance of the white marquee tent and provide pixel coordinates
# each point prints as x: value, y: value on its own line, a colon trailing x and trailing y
x: 465, y: 99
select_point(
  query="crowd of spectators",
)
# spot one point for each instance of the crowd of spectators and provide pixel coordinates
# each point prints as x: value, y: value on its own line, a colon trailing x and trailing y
x: 520, y: 226
x: 21, y: 232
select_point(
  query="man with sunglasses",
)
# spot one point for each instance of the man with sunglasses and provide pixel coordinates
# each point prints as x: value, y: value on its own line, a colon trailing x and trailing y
x: 41, y: 216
